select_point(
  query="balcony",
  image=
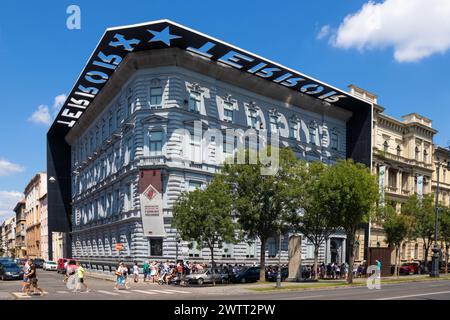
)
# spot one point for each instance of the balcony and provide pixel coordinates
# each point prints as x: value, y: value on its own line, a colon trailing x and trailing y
x: 153, y: 160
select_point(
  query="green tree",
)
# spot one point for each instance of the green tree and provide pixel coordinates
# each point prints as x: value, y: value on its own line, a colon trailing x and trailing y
x: 422, y: 212
x: 349, y: 191
x: 205, y: 216
x: 444, y: 231
x: 314, y: 222
x: 397, y: 228
x: 262, y: 202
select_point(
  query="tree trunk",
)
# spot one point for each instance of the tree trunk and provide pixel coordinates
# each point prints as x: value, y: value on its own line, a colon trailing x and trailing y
x: 425, y: 259
x: 351, y: 255
x: 316, y: 261
x: 446, y: 257
x: 397, y: 256
x: 262, y: 260
x: 213, y: 265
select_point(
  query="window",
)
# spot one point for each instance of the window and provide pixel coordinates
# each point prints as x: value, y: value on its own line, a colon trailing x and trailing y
x: 309, y: 250
x: 155, y: 145
x: 228, y: 111
x: 156, y: 247
x: 194, y: 102
x: 110, y: 125
x: 416, y: 251
x: 399, y: 151
x: 118, y: 116
x: 129, y: 151
x: 293, y: 129
x: 103, y: 131
x: 273, y: 124
x: 334, y: 141
x: 425, y: 155
x: 250, y: 250
x: 128, y: 197
x: 385, y: 146
x: 230, y: 144
x: 129, y: 106
x: 195, y: 146
x: 155, y: 97
x: 193, y: 185
x: 312, y: 134
x: 253, y: 119
x: 194, y: 251
x: 357, y: 251
x: 417, y: 153
x: 227, y: 250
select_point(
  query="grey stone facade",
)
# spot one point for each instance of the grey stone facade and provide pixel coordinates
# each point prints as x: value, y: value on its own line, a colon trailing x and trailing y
x: 124, y: 134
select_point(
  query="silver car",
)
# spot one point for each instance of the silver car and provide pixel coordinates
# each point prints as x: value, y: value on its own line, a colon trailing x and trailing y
x: 206, y: 276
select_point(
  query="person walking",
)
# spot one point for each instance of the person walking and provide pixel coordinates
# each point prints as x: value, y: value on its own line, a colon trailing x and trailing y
x: 80, y: 273
x: 120, y: 279
x: 26, y: 280
x: 136, y: 272
x: 33, y: 280
x: 146, y: 269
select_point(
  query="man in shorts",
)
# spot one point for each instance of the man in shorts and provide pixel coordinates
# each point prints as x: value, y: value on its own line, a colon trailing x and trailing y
x: 26, y: 280
x: 32, y: 276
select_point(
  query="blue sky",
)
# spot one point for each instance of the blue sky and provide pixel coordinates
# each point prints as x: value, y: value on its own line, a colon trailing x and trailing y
x: 396, y: 58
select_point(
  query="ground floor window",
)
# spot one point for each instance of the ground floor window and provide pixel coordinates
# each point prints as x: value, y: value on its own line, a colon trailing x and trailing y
x: 156, y: 247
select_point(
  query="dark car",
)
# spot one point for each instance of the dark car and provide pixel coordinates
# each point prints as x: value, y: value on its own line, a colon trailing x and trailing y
x: 272, y: 276
x: 10, y: 270
x: 38, y: 262
x: 6, y: 259
x: 250, y: 274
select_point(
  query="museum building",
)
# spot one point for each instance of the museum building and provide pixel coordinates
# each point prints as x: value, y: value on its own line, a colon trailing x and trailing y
x: 125, y: 143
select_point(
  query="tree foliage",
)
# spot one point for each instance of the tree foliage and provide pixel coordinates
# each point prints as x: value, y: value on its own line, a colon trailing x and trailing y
x: 205, y: 216
x: 350, y: 192
x: 422, y: 212
x: 262, y: 202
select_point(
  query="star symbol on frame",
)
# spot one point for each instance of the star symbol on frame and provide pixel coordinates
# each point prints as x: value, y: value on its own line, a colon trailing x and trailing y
x: 163, y: 36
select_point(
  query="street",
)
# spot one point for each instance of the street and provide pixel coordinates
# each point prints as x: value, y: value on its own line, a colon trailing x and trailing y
x: 55, y: 289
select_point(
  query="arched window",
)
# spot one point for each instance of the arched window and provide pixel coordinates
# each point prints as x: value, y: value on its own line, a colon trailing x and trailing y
x: 399, y: 151
x: 385, y: 146
x: 403, y: 253
x: 425, y: 155
x: 417, y: 151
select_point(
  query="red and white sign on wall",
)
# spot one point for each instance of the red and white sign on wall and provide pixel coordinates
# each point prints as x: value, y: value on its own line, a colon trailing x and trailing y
x: 151, y: 203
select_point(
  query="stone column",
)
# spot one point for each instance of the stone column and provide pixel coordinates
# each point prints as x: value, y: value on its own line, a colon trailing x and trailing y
x: 295, y: 257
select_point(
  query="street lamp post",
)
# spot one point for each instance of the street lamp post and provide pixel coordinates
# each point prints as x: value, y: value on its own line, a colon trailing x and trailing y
x: 279, y: 263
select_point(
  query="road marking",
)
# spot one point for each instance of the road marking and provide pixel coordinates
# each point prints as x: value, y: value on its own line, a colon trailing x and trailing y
x: 301, y: 298
x: 145, y: 292
x: 160, y: 291
x: 62, y: 291
x: 176, y: 291
x: 22, y: 295
x: 107, y: 292
x: 123, y: 291
x: 414, y: 295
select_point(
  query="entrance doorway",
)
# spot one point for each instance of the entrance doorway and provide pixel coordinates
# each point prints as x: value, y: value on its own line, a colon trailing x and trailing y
x: 334, y: 251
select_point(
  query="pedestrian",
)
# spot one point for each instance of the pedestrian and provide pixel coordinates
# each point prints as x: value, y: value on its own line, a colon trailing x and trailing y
x: 26, y: 280
x: 120, y: 278
x: 146, y: 269
x: 153, y: 272
x: 33, y: 280
x: 80, y: 273
x: 136, y: 272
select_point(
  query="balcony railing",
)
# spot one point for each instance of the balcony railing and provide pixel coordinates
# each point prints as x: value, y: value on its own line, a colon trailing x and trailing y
x: 153, y: 160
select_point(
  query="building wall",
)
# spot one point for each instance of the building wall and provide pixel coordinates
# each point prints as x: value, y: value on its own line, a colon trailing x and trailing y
x: 21, y: 249
x: 10, y: 236
x: 107, y: 156
x: 44, y: 227
x: 34, y: 191
x: 58, y: 245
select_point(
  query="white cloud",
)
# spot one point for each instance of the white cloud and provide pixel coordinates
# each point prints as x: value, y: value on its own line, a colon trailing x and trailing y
x: 43, y: 116
x: 323, y: 32
x: 7, y: 168
x: 416, y: 29
x: 8, y: 200
x: 58, y: 103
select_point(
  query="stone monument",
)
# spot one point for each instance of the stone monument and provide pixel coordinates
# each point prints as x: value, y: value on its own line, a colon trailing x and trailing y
x: 295, y: 258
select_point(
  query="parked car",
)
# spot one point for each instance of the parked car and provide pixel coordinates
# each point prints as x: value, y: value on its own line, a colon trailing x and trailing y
x: 249, y: 274
x: 272, y: 276
x: 50, y: 265
x: 206, y: 276
x: 6, y: 259
x: 38, y: 262
x: 61, y: 265
x: 10, y: 270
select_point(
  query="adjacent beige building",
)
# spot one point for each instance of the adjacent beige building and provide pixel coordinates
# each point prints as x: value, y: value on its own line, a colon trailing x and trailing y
x: 34, y: 193
x: 21, y: 247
